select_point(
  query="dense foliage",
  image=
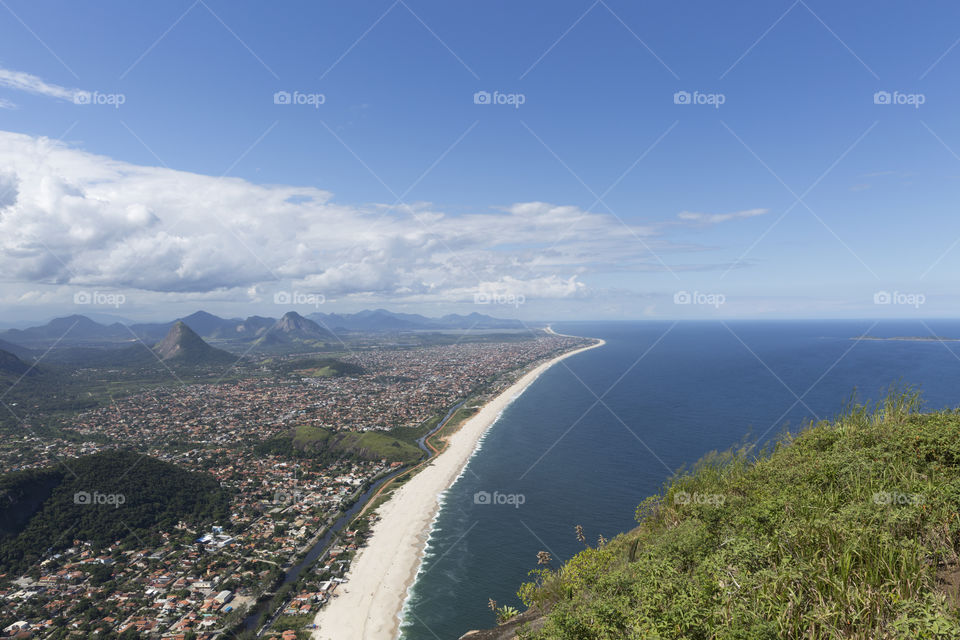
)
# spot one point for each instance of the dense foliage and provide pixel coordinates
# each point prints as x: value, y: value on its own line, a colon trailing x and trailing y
x: 102, y: 498
x: 850, y: 530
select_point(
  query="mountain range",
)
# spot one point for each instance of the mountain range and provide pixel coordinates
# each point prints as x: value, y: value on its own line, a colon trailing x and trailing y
x: 383, y: 320
x: 289, y: 331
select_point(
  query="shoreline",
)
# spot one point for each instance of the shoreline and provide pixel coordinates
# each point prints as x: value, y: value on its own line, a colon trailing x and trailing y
x: 370, y: 604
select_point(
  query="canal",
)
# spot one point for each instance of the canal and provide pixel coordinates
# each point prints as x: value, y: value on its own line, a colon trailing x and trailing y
x: 318, y: 550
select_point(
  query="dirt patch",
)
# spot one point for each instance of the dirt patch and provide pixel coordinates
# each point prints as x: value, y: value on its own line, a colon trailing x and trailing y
x: 948, y: 581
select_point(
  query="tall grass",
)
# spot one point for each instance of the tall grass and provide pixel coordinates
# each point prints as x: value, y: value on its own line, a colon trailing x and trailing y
x: 838, y: 532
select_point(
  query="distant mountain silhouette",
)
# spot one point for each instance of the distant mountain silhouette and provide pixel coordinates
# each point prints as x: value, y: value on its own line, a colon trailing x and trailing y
x: 77, y: 336
x: 21, y: 352
x: 383, y: 320
x: 293, y: 328
x: 254, y: 327
x: 292, y: 323
x: 12, y: 365
x: 209, y: 325
x: 69, y: 329
x: 183, y: 346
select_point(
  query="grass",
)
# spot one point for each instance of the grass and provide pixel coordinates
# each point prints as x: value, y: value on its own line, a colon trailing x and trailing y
x: 377, y: 445
x: 849, y: 530
x: 295, y: 623
x: 308, y: 436
x: 370, y: 445
x: 320, y: 372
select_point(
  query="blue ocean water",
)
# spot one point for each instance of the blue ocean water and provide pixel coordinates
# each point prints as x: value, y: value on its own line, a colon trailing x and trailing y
x: 596, y: 434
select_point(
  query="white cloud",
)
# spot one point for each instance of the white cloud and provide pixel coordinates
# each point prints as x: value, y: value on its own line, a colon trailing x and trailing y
x: 716, y: 218
x: 22, y: 81
x: 73, y: 218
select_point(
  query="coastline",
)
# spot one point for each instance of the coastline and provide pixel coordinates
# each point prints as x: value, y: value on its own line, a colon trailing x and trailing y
x: 370, y: 604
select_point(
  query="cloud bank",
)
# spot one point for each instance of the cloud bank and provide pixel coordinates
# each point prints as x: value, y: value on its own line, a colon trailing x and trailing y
x: 74, y: 218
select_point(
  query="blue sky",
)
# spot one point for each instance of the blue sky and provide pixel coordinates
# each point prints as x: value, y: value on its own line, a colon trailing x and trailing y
x: 798, y: 196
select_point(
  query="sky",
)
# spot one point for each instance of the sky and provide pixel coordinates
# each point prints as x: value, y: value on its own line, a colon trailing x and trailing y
x: 564, y: 160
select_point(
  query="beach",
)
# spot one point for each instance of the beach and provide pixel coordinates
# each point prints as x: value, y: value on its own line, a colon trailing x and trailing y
x: 369, y: 604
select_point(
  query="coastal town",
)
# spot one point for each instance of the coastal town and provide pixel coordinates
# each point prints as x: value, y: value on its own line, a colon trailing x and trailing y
x: 287, y: 509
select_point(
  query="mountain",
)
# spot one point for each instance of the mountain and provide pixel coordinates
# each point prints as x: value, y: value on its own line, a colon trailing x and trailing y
x: 295, y: 325
x: 203, y: 324
x: 76, y: 337
x: 95, y: 498
x: 376, y: 320
x: 292, y: 330
x: 209, y: 325
x: 183, y: 346
x: 21, y: 352
x: 383, y: 320
x: 12, y: 365
x: 254, y: 327
x: 69, y: 329
x: 479, y: 321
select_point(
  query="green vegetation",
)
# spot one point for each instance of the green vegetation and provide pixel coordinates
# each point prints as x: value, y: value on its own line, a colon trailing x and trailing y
x: 324, y: 444
x: 506, y: 614
x: 375, y: 445
x: 849, y: 530
x: 464, y: 413
x: 320, y: 368
x: 109, y: 496
x: 295, y: 623
x: 307, y: 437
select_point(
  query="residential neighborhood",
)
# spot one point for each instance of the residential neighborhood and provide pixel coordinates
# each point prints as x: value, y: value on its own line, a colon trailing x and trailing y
x: 202, y: 583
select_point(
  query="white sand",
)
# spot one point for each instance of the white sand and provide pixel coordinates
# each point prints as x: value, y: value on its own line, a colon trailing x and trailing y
x: 369, y: 604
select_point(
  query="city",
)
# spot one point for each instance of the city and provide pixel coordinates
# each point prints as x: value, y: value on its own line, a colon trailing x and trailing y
x: 203, y: 583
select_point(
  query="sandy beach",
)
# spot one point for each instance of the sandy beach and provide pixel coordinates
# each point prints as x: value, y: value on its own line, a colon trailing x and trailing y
x: 369, y: 604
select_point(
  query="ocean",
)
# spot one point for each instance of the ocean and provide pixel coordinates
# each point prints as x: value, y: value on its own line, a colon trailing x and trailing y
x: 600, y: 431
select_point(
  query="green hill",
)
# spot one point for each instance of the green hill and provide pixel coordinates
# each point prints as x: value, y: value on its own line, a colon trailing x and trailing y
x: 114, y: 495
x: 314, y: 367
x: 850, y: 530
x: 324, y: 444
x: 374, y: 445
x: 182, y: 346
x: 11, y: 365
